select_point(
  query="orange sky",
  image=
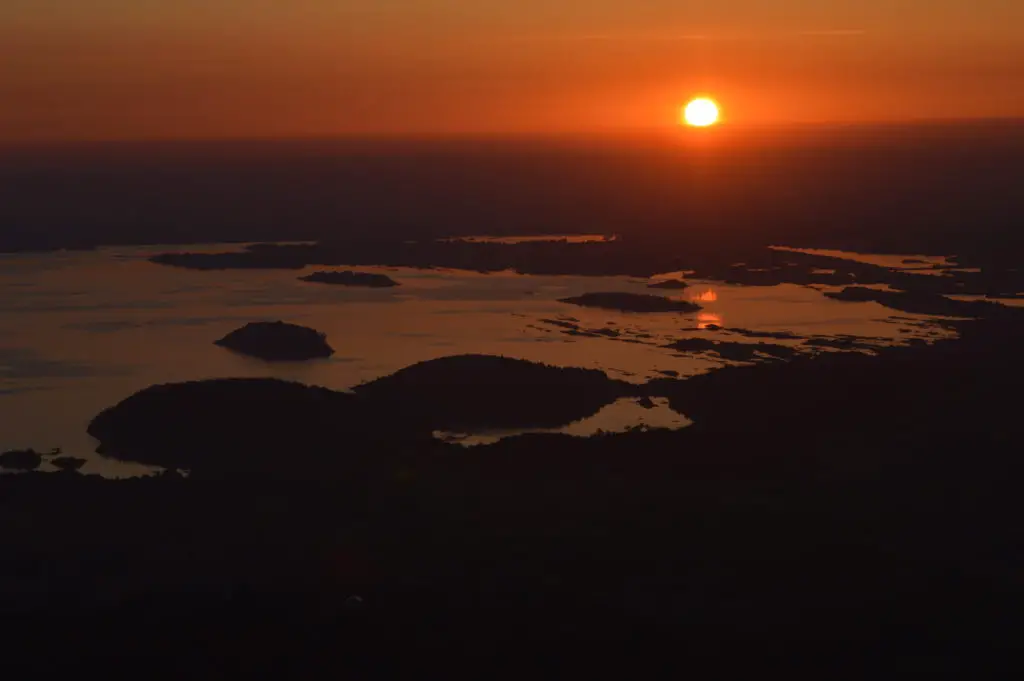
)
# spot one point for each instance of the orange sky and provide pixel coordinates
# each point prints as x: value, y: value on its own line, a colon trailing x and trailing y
x: 77, y: 69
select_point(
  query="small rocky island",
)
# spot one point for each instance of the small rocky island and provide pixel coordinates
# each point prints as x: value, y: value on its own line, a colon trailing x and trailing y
x: 632, y: 302
x: 277, y: 342
x: 735, y: 352
x: 21, y: 460
x: 68, y: 464
x: 669, y: 285
x: 349, y: 278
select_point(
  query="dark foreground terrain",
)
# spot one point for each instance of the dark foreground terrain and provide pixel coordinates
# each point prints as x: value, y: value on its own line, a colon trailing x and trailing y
x: 840, y: 516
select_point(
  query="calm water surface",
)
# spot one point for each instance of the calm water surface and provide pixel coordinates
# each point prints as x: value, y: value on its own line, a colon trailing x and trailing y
x: 80, y: 331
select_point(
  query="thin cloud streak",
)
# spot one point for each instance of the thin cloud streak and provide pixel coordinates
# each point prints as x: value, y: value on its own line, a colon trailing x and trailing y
x: 837, y: 32
x: 609, y: 37
x: 689, y: 37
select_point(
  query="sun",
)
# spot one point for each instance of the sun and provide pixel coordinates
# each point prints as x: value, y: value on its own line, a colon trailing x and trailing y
x: 701, y: 112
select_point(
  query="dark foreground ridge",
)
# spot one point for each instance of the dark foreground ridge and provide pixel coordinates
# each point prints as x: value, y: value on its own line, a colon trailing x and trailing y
x: 278, y: 341
x: 843, y: 515
x: 349, y: 278
x: 631, y: 302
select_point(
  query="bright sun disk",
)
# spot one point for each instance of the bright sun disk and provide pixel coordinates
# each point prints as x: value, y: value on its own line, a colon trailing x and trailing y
x: 701, y: 112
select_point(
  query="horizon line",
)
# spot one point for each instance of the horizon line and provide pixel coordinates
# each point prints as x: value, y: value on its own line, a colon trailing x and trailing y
x: 511, y: 135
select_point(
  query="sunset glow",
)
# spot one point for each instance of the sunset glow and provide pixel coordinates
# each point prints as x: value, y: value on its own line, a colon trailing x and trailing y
x: 701, y: 112
x: 113, y: 69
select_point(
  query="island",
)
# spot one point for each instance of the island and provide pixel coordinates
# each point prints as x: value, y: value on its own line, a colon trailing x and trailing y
x: 21, y: 460
x: 474, y: 392
x: 277, y: 342
x: 253, y: 424
x: 669, y: 285
x: 349, y: 278
x: 248, y: 425
x: 735, y: 352
x: 631, y: 302
x: 68, y: 464
x: 923, y: 302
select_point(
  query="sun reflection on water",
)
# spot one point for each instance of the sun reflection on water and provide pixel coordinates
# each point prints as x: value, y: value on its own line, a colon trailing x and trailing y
x: 706, y: 320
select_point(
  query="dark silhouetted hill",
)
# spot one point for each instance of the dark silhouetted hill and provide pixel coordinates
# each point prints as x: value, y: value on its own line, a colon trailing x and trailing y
x: 245, y: 424
x: 348, y: 278
x: 490, y: 392
x: 277, y: 341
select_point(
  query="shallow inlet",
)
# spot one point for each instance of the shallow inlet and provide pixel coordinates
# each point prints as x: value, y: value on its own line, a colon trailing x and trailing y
x: 621, y: 416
